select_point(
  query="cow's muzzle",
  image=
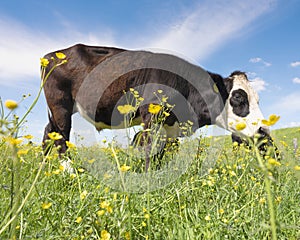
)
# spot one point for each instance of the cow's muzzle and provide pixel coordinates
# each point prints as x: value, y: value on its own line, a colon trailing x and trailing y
x: 262, y: 140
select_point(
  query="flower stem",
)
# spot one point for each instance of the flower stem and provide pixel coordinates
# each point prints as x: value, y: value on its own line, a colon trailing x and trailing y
x: 269, y: 194
x: 15, y: 191
x: 119, y: 167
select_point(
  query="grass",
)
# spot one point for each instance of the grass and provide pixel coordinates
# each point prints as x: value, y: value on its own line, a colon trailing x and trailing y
x: 229, y: 202
x: 209, y: 189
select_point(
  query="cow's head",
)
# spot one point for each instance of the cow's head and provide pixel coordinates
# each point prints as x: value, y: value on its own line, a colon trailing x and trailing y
x: 242, y: 115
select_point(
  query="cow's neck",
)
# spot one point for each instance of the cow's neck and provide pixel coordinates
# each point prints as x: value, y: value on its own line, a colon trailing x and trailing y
x: 224, y: 85
x: 221, y: 86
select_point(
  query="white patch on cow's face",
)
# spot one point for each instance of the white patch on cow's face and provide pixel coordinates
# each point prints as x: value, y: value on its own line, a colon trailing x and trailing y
x: 241, y: 107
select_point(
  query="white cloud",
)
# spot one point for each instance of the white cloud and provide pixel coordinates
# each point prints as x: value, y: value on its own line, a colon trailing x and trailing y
x: 291, y: 124
x: 289, y: 103
x: 209, y: 25
x: 296, y: 80
x: 260, y: 60
x: 295, y: 64
x: 251, y: 75
x: 22, y: 47
x: 258, y: 84
x: 205, y: 28
x: 288, y: 108
x: 255, y: 60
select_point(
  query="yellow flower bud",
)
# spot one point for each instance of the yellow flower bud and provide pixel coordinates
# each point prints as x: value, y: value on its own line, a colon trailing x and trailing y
x: 60, y: 55
x: 11, y: 104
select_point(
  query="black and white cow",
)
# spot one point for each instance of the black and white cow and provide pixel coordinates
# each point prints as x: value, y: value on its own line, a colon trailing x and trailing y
x: 94, y: 80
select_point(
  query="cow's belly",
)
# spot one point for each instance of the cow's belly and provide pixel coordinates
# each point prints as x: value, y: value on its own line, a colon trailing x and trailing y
x: 171, y: 131
x: 101, y: 125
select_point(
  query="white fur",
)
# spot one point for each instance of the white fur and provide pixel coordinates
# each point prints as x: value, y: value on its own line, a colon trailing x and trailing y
x: 228, y: 119
x: 101, y: 125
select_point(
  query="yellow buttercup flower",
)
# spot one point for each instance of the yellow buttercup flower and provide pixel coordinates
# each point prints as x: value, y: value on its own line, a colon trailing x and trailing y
x: 271, y: 121
x: 70, y: 145
x: 46, y: 205
x: 221, y: 211
x: 56, y: 172
x: 44, y: 62
x: 104, y: 204
x: 154, y: 108
x: 11, y: 104
x: 54, y: 136
x: 60, y: 55
x: 240, y: 126
x: 125, y: 109
x: 78, y: 220
x: 104, y: 235
x: 101, y: 212
x: 28, y: 137
x: 127, y: 235
x: 124, y: 168
x: 273, y: 162
x: 14, y: 141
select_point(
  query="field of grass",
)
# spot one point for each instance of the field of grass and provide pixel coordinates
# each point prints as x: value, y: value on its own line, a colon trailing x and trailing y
x: 208, y: 188
x: 228, y: 201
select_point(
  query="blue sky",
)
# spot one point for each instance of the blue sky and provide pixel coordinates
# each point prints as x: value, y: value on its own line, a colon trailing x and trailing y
x: 260, y: 37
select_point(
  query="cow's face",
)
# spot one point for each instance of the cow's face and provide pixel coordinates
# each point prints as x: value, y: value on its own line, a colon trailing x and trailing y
x: 242, y: 115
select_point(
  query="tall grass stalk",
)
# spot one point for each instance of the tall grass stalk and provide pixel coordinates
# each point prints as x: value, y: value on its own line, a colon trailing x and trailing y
x: 119, y: 167
x: 15, y: 189
x: 269, y: 194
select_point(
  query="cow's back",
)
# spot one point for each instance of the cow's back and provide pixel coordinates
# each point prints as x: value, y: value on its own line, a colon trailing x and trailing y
x: 81, y: 60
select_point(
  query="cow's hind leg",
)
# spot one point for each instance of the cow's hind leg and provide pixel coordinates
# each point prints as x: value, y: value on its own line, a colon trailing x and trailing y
x: 59, y: 122
x: 154, y: 146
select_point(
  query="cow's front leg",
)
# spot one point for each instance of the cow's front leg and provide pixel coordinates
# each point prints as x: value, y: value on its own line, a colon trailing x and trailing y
x: 152, y: 139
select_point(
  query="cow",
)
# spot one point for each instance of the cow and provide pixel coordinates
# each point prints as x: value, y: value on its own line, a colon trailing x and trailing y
x: 95, y: 81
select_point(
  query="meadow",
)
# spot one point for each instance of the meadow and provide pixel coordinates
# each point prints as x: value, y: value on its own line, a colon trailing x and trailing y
x: 240, y: 194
